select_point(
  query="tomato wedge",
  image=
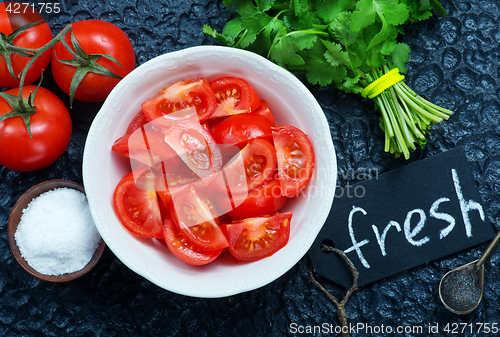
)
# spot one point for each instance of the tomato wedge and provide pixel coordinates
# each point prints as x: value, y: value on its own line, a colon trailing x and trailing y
x: 138, y: 121
x: 147, y: 146
x: 181, y: 248
x: 248, y: 172
x: 262, y: 201
x: 236, y: 130
x: 211, y: 123
x: 196, y: 147
x: 181, y: 95
x: 256, y: 238
x: 136, y: 208
x: 194, y: 219
x: 234, y: 96
x: 295, y: 158
x: 168, y: 184
x: 265, y: 111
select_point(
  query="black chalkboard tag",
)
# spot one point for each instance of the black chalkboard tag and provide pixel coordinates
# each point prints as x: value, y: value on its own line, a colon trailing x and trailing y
x: 402, y: 219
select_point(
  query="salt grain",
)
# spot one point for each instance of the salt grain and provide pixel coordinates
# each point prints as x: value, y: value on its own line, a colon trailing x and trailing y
x: 56, y: 234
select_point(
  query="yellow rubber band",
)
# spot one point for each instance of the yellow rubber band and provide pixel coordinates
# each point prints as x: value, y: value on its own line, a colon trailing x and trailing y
x: 384, y: 82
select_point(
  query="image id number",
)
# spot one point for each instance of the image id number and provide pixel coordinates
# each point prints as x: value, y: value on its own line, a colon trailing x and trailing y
x: 461, y: 328
x: 24, y: 7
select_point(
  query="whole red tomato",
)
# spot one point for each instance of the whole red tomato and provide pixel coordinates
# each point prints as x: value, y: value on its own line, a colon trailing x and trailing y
x: 50, y: 128
x: 33, y: 38
x: 95, y: 37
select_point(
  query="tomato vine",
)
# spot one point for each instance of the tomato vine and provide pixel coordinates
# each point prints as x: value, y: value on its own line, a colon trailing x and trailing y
x: 84, y: 63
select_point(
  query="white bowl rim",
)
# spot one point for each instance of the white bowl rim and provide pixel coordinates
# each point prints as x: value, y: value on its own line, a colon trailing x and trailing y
x: 96, y: 200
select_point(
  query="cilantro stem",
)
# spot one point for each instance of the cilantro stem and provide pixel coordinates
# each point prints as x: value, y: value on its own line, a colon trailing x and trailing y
x: 245, y: 32
x: 395, y: 124
x: 307, y: 31
x: 405, y: 116
x: 281, y: 12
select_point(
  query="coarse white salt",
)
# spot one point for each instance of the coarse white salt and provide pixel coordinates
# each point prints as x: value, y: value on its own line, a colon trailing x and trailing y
x: 56, y: 234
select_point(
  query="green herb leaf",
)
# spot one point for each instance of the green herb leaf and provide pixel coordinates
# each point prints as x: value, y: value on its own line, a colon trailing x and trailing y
x: 424, y: 5
x: 400, y: 56
x: 324, y: 74
x: 340, y: 27
x: 303, y: 39
x: 299, y: 6
x: 284, y: 50
x: 390, y: 12
x: 327, y: 10
x: 271, y: 30
x: 335, y: 55
x: 227, y: 3
x: 438, y: 8
x: 266, y: 5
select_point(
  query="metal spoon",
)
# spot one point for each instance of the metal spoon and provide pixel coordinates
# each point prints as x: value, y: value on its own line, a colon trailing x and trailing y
x: 461, y: 289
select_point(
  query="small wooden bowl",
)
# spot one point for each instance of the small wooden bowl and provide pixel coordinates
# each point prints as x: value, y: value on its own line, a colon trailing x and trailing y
x: 15, y: 218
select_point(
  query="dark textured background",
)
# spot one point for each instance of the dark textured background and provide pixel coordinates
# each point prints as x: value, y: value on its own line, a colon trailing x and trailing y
x: 454, y: 62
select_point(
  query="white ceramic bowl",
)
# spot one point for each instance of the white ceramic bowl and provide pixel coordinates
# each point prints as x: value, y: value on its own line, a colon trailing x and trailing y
x: 290, y: 102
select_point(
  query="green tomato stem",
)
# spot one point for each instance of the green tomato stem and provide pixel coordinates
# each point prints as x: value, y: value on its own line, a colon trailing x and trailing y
x: 77, y: 57
x: 38, y: 52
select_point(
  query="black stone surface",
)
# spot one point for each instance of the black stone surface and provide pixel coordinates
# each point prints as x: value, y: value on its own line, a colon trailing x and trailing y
x: 454, y: 62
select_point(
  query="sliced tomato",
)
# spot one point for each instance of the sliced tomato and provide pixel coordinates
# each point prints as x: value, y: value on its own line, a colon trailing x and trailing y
x: 164, y: 209
x: 181, y: 248
x: 137, y: 208
x: 195, y: 220
x: 256, y: 238
x: 234, y: 96
x: 262, y: 201
x: 138, y: 121
x: 265, y: 111
x: 249, y: 169
x: 237, y: 130
x: 211, y: 123
x: 182, y: 95
x: 168, y: 184
x: 196, y: 147
x: 147, y: 146
x: 295, y: 158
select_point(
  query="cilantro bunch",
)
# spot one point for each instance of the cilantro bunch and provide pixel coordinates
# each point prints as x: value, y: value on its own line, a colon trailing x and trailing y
x: 345, y: 43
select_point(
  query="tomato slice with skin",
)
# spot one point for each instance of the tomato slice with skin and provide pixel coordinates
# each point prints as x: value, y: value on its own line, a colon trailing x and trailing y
x: 137, y: 122
x: 234, y: 96
x: 194, y: 219
x: 170, y: 183
x: 256, y: 238
x: 181, y: 248
x: 265, y: 111
x: 211, y: 124
x: 146, y: 147
x: 295, y: 158
x: 137, y: 209
x: 179, y: 96
x: 196, y: 147
x: 239, y: 129
x: 250, y: 171
x: 262, y: 201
